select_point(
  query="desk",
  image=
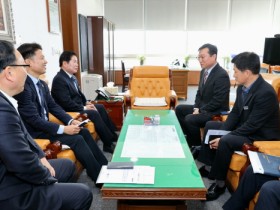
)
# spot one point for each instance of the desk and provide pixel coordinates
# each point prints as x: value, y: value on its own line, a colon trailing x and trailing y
x: 115, y: 109
x: 175, y: 178
x: 180, y: 82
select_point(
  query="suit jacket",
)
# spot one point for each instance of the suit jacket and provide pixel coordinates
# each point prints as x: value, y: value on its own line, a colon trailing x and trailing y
x: 29, y: 107
x: 20, y: 165
x: 213, y: 96
x: 258, y: 116
x: 65, y: 93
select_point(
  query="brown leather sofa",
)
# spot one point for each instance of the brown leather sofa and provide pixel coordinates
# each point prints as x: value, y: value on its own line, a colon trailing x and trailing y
x: 150, y: 82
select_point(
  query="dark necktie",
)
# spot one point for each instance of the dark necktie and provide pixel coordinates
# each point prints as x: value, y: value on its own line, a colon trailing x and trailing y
x: 42, y: 98
x: 244, y: 93
x: 205, y: 76
x: 73, y: 79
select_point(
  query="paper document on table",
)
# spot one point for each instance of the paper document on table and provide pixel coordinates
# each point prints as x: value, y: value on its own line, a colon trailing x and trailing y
x: 159, y: 141
x: 137, y: 175
x: 217, y: 133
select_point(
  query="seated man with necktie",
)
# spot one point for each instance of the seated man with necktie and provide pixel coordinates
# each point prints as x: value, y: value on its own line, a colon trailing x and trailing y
x: 255, y: 116
x: 34, y: 105
x: 212, y: 96
x: 27, y: 179
x: 67, y: 94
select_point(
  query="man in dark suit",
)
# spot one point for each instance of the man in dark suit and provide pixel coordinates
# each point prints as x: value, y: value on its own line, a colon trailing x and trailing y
x: 250, y: 184
x: 255, y: 116
x: 27, y: 178
x: 67, y: 94
x: 34, y: 105
x: 212, y: 96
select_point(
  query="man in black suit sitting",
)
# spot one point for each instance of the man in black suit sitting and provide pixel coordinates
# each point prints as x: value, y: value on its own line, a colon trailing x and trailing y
x: 27, y: 178
x: 67, y: 94
x: 34, y: 105
x: 254, y: 116
x: 212, y: 96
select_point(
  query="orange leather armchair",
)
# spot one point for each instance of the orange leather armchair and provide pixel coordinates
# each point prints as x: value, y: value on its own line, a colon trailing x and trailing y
x: 150, y: 82
x: 68, y: 153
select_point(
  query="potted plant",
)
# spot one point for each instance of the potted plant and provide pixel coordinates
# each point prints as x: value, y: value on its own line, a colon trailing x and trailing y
x: 142, y: 58
x: 226, y: 62
x: 186, y: 60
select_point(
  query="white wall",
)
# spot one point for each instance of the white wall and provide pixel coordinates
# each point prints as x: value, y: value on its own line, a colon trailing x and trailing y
x: 30, y: 24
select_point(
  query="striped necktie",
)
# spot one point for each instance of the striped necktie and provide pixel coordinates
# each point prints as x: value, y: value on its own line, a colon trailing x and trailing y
x: 42, y: 98
x: 205, y: 76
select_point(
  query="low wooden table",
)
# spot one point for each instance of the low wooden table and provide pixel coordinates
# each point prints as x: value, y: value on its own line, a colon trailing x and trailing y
x: 115, y: 109
x: 176, y: 179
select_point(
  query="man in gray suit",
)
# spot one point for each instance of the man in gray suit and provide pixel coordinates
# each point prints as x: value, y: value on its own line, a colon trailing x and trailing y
x: 212, y: 96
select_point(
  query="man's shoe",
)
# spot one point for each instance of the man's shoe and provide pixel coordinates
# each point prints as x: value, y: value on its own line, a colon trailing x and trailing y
x: 109, y: 149
x: 214, y: 191
x: 99, y: 185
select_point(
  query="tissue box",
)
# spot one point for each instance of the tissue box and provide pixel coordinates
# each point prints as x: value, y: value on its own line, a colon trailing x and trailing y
x: 112, y: 90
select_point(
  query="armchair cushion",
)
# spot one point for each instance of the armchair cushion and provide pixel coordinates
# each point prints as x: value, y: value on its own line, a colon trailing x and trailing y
x: 150, y: 101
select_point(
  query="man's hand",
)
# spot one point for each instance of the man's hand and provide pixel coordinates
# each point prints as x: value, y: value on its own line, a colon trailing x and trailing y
x: 75, y: 122
x: 195, y: 110
x: 72, y: 129
x: 46, y: 163
x: 214, y: 143
x: 90, y: 107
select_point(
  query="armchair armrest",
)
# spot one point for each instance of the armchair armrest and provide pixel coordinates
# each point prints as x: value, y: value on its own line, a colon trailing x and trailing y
x: 127, y: 99
x: 173, y: 99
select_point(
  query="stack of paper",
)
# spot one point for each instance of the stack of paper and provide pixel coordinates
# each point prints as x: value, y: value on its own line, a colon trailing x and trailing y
x: 136, y: 175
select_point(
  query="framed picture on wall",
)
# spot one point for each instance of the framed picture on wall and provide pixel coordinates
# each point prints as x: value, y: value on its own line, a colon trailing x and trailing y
x: 6, y: 21
x: 53, y: 16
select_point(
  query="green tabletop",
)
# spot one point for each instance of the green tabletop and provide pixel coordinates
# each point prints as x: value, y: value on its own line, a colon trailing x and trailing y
x: 169, y: 172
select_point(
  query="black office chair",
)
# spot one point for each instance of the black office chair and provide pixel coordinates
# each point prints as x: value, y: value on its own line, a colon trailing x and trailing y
x: 125, y: 78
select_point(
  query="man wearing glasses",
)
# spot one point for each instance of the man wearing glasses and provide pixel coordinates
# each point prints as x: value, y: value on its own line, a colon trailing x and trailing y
x: 212, y: 96
x: 27, y: 179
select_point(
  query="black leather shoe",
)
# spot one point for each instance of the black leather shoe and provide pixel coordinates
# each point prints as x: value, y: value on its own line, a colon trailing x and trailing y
x: 99, y: 185
x: 214, y: 191
x: 109, y: 149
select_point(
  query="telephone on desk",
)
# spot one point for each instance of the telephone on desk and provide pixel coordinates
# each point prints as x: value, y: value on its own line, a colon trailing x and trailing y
x: 102, y: 94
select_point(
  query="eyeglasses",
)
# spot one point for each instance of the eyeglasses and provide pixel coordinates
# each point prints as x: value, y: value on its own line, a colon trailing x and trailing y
x: 22, y: 65
x: 202, y: 57
x: 18, y: 65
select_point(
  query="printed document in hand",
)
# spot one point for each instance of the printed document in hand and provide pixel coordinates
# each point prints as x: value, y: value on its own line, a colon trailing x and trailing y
x: 217, y: 133
x: 137, y: 175
x: 265, y: 164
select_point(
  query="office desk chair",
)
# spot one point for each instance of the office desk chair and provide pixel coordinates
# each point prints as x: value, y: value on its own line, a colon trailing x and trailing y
x: 125, y: 78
